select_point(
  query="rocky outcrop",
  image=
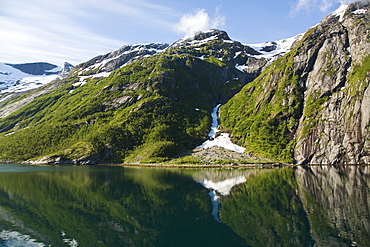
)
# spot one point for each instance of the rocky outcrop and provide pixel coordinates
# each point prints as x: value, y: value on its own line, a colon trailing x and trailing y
x: 66, y: 69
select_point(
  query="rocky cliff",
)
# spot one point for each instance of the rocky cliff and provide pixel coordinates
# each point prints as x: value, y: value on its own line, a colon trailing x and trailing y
x: 334, y: 127
x: 312, y: 105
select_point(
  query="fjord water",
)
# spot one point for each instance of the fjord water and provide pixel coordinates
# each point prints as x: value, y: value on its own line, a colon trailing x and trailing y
x: 117, y: 206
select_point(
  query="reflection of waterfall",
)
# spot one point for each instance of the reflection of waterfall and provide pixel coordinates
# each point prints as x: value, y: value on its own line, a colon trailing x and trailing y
x: 215, y: 203
x: 67, y: 241
x: 223, y: 140
x: 337, y: 201
x: 223, y: 188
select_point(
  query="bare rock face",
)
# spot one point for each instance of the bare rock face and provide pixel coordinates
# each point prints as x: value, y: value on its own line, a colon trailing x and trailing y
x: 334, y: 127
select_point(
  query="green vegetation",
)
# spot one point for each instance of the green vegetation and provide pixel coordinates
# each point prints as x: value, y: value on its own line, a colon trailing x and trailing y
x: 357, y: 77
x: 146, y: 111
x: 265, y: 114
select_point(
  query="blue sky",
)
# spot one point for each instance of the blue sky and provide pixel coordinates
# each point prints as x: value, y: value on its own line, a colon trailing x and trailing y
x: 77, y: 30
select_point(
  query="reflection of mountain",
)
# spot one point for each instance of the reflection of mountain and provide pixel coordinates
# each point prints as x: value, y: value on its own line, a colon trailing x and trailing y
x: 97, y: 206
x: 111, y: 207
x: 337, y: 201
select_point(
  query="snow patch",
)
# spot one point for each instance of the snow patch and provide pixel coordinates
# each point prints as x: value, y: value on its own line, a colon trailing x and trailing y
x: 67, y: 241
x: 360, y: 11
x: 224, y: 141
x: 238, y: 53
x: 201, y: 58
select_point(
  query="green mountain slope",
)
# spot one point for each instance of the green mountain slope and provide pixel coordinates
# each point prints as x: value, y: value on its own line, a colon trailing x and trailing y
x: 149, y: 110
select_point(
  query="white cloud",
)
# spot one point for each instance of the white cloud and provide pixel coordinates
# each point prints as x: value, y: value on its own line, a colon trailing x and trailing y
x: 73, y: 31
x: 322, y: 5
x: 199, y: 21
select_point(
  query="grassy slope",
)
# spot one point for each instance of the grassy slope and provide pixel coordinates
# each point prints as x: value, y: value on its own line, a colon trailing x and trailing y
x: 145, y: 111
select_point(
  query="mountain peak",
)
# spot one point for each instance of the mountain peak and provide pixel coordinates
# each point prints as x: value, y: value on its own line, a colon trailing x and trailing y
x: 212, y: 33
x: 202, y: 37
x: 356, y: 8
x: 66, y: 69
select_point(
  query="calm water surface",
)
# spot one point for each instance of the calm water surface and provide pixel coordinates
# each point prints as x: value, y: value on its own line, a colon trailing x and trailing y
x: 116, y: 206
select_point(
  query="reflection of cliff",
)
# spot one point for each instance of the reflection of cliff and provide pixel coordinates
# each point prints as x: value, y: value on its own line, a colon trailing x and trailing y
x: 337, y: 201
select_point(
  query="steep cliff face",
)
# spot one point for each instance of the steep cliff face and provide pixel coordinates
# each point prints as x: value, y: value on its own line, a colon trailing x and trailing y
x: 312, y: 105
x: 334, y: 127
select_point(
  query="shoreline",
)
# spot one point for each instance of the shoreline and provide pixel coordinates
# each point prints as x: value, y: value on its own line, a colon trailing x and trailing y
x: 182, y: 166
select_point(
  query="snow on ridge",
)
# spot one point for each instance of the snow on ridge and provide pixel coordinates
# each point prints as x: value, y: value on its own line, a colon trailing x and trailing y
x: 339, y: 12
x: 118, y: 53
x: 192, y: 40
x: 283, y: 46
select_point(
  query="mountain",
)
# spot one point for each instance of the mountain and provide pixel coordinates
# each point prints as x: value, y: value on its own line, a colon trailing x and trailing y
x: 302, y: 99
x: 312, y: 105
x: 28, y: 76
